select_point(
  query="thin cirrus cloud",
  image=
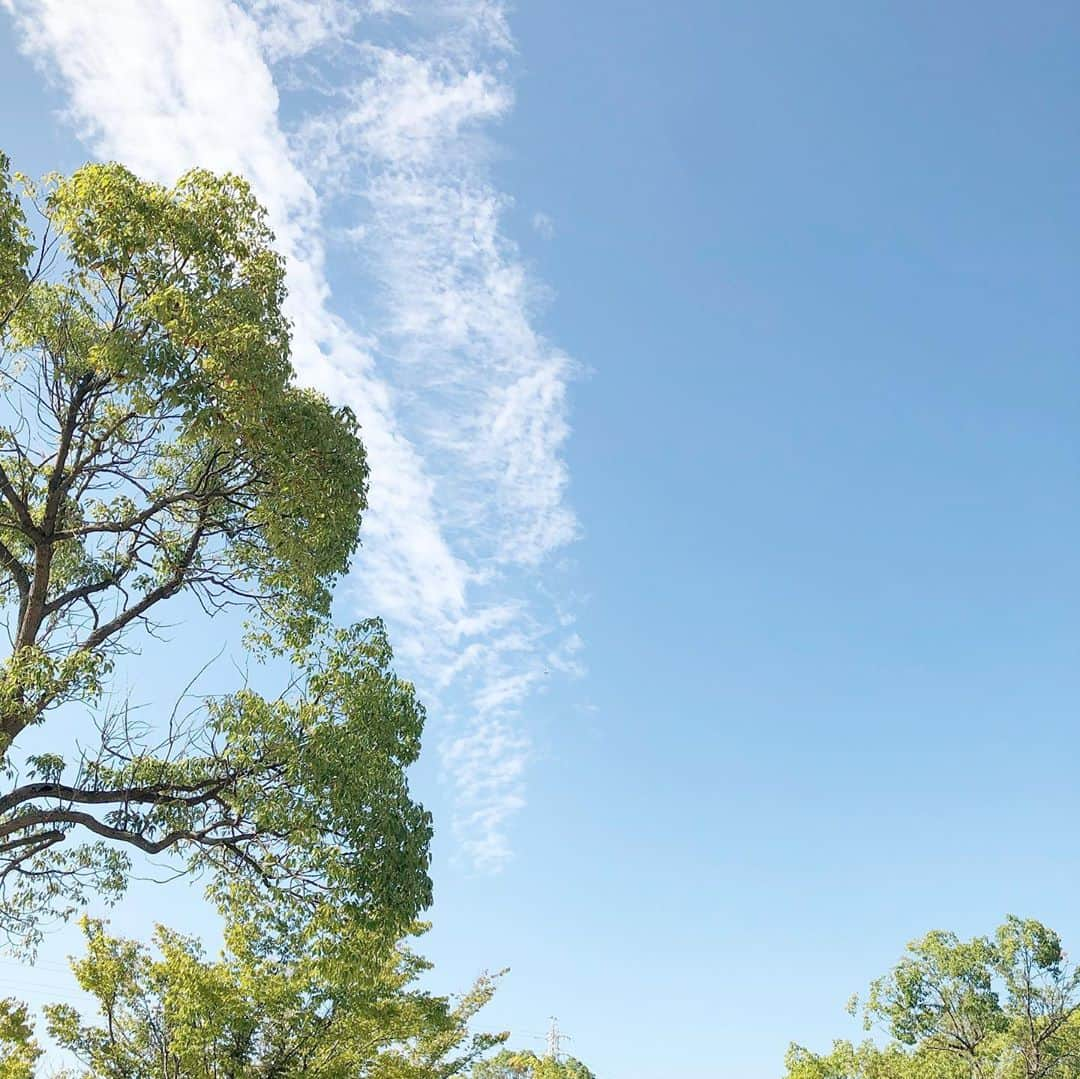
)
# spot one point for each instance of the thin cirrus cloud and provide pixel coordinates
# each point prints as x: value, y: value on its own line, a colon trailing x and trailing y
x: 462, y: 400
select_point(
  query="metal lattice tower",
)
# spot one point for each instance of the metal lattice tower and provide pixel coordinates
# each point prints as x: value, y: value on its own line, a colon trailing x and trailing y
x: 555, y: 1039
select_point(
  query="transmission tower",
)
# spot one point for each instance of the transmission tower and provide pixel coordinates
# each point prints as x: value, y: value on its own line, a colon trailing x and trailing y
x: 555, y: 1039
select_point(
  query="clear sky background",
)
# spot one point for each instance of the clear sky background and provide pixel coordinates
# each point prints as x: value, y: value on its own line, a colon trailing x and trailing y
x: 719, y: 366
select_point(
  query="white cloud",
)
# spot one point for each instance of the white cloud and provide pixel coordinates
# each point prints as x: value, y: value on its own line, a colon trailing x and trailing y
x: 294, y: 27
x: 489, y: 759
x: 462, y: 401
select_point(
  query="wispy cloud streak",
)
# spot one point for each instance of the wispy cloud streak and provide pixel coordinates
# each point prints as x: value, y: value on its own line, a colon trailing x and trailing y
x: 462, y: 401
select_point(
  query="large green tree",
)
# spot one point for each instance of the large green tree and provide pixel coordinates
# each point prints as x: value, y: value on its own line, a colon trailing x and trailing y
x: 154, y: 446
x: 1005, y: 1006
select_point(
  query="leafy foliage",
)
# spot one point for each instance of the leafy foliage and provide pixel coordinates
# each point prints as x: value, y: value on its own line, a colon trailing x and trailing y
x: 153, y: 445
x: 346, y: 1007
x: 19, y: 1051
x: 1006, y: 1006
x: 527, y: 1065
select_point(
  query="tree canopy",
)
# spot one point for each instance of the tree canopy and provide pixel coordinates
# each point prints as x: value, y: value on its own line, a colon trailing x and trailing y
x: 517, y: 1064
x: 346, y: 1007
x: 154, y: 445
x: 1006, y: 1005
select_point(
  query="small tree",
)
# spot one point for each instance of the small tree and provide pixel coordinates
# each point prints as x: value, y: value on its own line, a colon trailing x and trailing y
x: 153, y: 445
x: 345, y: 1008
x: 1006, y: 1006
x: 527, y: 1065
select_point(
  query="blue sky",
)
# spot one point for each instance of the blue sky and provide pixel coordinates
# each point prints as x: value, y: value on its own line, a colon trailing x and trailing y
x: 719, y: 367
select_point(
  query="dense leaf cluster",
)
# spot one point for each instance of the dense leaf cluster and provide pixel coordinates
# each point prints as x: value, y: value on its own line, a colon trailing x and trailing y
x: 510, y: 1064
